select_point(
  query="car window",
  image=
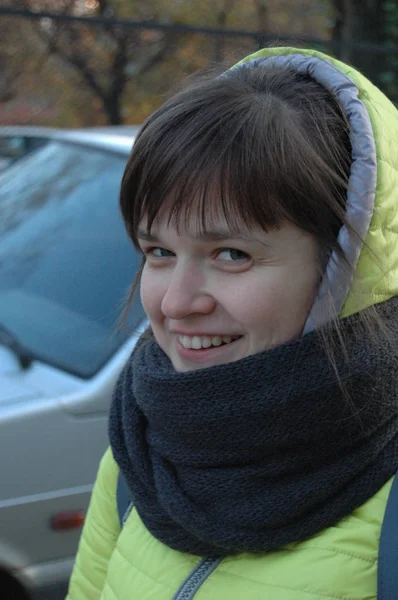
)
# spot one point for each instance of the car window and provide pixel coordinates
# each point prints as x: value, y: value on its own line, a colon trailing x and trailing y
x: 65, y: 260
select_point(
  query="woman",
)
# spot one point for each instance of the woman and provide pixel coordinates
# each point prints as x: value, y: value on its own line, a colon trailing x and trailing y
x: 256, y: 425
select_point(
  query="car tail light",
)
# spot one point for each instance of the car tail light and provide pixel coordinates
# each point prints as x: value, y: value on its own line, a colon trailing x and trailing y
x: 67, y: 520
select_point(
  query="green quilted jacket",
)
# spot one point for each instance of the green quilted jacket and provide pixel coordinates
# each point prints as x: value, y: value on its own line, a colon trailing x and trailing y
x: 339, y: 563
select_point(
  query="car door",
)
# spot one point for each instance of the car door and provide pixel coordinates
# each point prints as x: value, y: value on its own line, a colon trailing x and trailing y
x: 65, y: 268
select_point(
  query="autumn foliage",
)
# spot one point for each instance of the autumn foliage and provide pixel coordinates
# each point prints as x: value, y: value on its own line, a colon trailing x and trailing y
x: 75, y: 74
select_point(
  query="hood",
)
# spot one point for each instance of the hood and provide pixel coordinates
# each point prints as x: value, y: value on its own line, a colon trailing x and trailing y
x: 372, y: 198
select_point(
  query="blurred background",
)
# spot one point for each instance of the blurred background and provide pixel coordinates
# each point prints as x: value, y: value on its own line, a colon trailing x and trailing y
x: 66, y: 264
x: 74, y: 63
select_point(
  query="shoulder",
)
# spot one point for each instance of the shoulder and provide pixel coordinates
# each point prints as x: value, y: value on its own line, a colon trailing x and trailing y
x: 108, y: 470
x: 103, y: 501
x: 107, y: 476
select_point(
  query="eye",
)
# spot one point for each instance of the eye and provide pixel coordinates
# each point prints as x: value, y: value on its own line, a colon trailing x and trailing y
x: 232, y: 255
x: 159, y: 252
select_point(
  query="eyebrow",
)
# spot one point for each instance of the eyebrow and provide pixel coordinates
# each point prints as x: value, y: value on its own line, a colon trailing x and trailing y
x: 205, y: 236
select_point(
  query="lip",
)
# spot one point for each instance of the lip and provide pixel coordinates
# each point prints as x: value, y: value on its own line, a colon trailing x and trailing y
x: 195, y: 333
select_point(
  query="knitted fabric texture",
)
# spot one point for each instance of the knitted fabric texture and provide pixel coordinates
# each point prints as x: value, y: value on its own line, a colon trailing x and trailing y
x: 261, y: 452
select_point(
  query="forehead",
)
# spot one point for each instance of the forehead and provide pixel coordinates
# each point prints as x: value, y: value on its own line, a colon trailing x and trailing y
x: 201, y: 218
x: 196, y: 226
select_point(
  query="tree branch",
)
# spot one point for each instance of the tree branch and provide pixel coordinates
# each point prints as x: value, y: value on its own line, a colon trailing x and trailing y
x: 262, y: 15
x: 73, y: 59
x: 118, y: 68
x: 221, y: 21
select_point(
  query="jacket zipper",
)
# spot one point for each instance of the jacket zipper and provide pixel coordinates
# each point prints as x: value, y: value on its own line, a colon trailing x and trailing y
x: 196, y: 578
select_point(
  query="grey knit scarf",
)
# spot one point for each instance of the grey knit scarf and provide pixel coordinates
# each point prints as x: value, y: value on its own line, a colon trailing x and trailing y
x: 257, y: 453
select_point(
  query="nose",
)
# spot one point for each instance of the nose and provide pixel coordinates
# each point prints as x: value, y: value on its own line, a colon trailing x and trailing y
x: 186, y: 295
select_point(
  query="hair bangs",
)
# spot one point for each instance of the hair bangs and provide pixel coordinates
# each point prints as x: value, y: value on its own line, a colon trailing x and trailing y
x: 197, y: 202
x: 208, y: 168
x: 226, y: 149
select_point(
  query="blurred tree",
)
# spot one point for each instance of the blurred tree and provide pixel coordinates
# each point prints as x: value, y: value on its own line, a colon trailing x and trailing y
x: 100, y: 56
x: 389, y: 75
x: 10, y: 68
x: 368, y: 22
x: 20, y: 61
x: 103, y: 59
x: 107, y: 74
x: 361, y: 21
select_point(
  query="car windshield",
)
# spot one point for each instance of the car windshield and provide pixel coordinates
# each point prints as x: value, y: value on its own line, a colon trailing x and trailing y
x: 65, y: 260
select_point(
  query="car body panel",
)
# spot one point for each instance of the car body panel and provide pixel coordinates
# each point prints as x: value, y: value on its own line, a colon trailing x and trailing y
x: 53, y: 424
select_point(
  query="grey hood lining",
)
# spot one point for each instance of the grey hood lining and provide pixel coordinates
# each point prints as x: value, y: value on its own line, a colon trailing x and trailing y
x: 337, y: 279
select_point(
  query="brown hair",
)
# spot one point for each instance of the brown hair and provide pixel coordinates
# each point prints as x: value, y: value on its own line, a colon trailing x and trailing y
x: 272, y: 142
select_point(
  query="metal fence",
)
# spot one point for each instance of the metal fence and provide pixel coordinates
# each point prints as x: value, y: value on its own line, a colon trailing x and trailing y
x: 77, y: 70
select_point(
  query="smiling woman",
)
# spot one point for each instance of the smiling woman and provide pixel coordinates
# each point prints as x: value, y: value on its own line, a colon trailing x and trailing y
x: 256, y: 427
x: 254, y: 150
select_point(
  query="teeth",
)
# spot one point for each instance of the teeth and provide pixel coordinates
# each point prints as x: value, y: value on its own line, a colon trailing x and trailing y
x: 186, y: 341
x: 197, y: 342
x: 206, y: 342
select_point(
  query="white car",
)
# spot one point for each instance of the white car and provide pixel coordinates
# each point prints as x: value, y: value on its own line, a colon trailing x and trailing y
x: 65, y: 268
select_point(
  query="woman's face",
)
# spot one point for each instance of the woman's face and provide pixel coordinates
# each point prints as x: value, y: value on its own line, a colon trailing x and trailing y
x: 218, y: 298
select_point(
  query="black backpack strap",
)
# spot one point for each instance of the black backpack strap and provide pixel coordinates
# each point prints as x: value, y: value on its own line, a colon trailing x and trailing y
x: 387, y: 586
x: 123, y: 499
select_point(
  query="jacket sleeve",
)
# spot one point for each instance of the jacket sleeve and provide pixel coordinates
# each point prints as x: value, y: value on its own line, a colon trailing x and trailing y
x: 99, y: 536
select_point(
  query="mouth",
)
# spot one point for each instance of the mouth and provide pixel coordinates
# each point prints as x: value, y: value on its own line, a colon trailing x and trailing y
x: 206, y: 342
x: 206, y: 349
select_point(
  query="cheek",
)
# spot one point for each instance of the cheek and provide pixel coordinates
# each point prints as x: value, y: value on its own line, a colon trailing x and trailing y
x: 151, y: 292
x: 262, y: 309
x: 274, y: 306
x: 253, y: 303
x: 289, y: 303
